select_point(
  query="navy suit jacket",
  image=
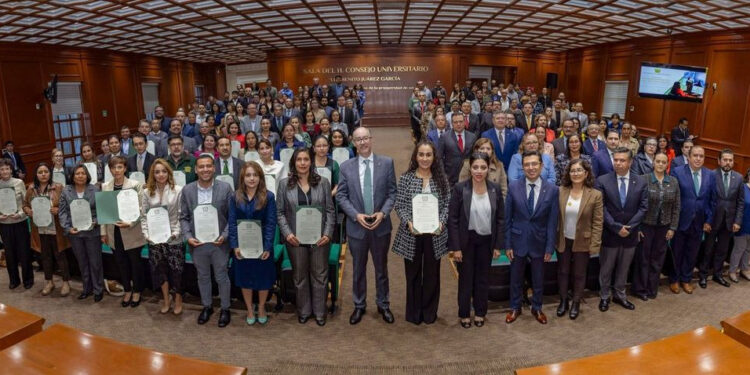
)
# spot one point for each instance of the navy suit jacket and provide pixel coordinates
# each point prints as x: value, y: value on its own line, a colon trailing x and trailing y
x: 615, y: 215
x: 510, y: 148
x: 588, y: 148
x: 432, y: 136
x: 601, y: 164
x: 677, y: 161
x: 531, y: 234
x: 695, y: 207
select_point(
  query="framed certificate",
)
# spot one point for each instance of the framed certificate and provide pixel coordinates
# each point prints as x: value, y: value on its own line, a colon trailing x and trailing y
x: 8, y: 203
x: 424, y: 211
x: 340, y: 154
x: 42, y: 216
x: 250, y: 238
x: 58, y: 178
x: 325, y: 173
x: 285, y: 155
x: 309, y: 223
x: 179, y: 178
x: 252, y: 156
x: 107, y: 174
x: 138, y: 176
x: 151, y: 147
x: 128, y: 205
x: 206, y: 221
x: 93, y: 172
x: 236, y: 148
x: 157, y: 220
x: 226, y: 178
x: 271, y: 183
x: 80, y: 214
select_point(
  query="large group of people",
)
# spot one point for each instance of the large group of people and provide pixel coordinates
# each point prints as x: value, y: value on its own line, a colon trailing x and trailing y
x: 514, y: 173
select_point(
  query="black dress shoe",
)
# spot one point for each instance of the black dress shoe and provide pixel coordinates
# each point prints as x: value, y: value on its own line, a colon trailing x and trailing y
x: 703, y: 283
x: 604, y: 305
x: 84, y: 295
x: 13, y: 285
x: 575, y: 309
x: 320, y: 322
x: 387, y: 315
x: 224, y: 318
x: 624, y: 303
x: 126, y: 302
x: 356, y: 316
x: 205, y: 315
x: 466, y: 324
x: 641, y: 296
x: 303, y: 319
x: 98, y: 297
x: 478, y: 322
x: 721, y: 280
x: 29, y: 285
x: 562, y: 308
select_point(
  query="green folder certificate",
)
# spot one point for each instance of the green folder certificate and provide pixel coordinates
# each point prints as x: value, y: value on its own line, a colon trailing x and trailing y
x: 110, y: 208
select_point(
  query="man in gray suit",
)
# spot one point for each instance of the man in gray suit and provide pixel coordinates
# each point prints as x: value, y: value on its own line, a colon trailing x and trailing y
x: 188, y: 143
x: 252, y: 122
x: 226, y: 163
x: 730, y: 204
x: 207, y: 255
x: 366, y: 194
x: 455, y: 146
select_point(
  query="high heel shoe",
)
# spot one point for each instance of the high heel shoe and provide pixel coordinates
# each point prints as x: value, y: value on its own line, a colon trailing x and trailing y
x: 165, y: 309
x: 466, y: 324
x: 126, y: 302
x: 133, y: 302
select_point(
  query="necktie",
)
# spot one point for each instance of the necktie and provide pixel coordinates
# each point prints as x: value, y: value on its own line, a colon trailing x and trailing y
x: 595, y: 144
x: 696, y: 183
x: 726, y: 184
x: 460, y: 143
x: 501, y: 140
x: 623, y: 192
x: 367, y: 188
x: 226, y: 167
x: 466, y: 124
x: 140, y: 163
x: 530, y: 201
x: 288, y: 113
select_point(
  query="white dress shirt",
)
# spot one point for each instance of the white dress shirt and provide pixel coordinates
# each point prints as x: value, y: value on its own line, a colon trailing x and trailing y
x: 228, y: 161
x: 205, y: 196
x: 362, y: 167
x: 627, y: 182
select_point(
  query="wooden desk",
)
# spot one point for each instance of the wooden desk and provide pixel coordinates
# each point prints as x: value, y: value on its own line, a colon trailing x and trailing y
x: 63, y: 350
x: 703, y: 351
x: 738, y: 328
x: 17, y: 325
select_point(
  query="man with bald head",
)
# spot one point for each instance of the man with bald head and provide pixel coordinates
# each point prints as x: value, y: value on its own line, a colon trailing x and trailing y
x: 366, y: 194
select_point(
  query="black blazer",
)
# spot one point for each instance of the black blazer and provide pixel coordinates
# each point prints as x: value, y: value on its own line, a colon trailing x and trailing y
x: 729, y: 207
x: 449, y: 154
x: 133, y: 163
x: 19, y: 162
x: 459, y: 212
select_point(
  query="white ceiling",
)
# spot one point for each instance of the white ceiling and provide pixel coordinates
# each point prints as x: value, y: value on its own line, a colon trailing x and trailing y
x: 233, y: 31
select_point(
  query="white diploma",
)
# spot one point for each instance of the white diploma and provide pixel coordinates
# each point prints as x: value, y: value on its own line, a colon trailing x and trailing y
x: 236, y: 147
x: 107, y: 174
x: 285, y: 155
x: 41, y: 206
x: 128, y: 205
x: 80, y: 214
x: 424, y: 213
x: 179, y: 178
x: 206, y: 220
x: 91, y: 167
x: 250, y: 238
x: 340, y: 154
x: 325, y: 173
x: 58, y: 178
x: 226, y: 178
x: 308, y: 223
x: 138, y: 176
x: 8, y: 203
x: 151, y: 147
x: 271, y: 183
x: 157, y: 220
x: 252, y: 156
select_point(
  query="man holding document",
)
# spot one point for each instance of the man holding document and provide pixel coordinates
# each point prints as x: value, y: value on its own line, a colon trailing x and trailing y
x: 203, y: 222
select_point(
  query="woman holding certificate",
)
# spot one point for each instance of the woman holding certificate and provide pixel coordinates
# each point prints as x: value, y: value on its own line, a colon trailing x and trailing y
x: 288, y: 140
x: 274, y: 168
x: 321, y: 147
x: 13, y: 228
x: 59, y: 172
x: 306, y: 219
x: 340, y: 139
x: 125, y: 238
x: 92, y: 163
x: 475, y: 236
x: 252, y: 225
x: 41, y: 204
x: 160, y: 203
x: 78, y: 220
x: 422, y: 205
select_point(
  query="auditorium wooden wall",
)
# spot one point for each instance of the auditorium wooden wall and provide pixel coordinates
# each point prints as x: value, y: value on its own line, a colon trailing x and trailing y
x: 721, y: 120
x: 110, y: 82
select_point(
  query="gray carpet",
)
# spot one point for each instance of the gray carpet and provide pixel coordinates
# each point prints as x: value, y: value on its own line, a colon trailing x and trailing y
x: 373, y: 347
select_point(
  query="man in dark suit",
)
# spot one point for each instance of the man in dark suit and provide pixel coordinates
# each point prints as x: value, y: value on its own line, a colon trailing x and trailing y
x: 625, y: 198
x: 18, y: 168
x: 593, y: 144
x: 366, y: 194
x: 126, y: 143
x: 697, y: 203
x: 471, y: 121
x: 531, y: 214
x: 226, y: 164
x: 441, y: 127
x: 680, y: 134
x: 347, y: 115
x: 730, y: 204
x: 525, y: 120
x: 141, y: 160
x: 279, y: 120
x: 417, y: 111
x: 163, y: 120
x: 485, y: 118
x: 602, y: 162
x: 455, y: 146
x: 561, y: 144
x: 682, y: 159
x: 504, y: 140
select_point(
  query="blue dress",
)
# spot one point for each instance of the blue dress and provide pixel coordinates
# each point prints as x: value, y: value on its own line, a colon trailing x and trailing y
x: 254, y: 274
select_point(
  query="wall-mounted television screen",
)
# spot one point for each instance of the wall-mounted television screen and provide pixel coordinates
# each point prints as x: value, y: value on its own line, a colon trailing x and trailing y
x: 677, y: 82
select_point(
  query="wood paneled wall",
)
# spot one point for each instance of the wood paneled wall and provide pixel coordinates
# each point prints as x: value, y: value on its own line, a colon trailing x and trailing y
x: 110, y: 85
x: 720, y: 121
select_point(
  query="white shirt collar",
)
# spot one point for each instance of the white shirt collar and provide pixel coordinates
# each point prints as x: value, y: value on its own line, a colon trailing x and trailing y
x: 537, y: 182
x: 370, y: 158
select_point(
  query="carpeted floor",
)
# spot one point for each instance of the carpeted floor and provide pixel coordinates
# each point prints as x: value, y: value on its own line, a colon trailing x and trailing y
x: 374, y: 347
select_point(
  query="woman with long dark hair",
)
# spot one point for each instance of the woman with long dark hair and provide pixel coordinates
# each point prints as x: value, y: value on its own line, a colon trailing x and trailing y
x: 422, y: 251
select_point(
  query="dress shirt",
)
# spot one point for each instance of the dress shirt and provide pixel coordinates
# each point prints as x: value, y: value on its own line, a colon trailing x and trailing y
x: 228, y: 161
x: 504, y: 104
x: 699, y: 176
x: 205, y: 196
x: 627, y: 182
x: 125, y: 146
x: 537, y: 189
x: 500, y: 138
x: 141, y: 161
x: 362, y: 167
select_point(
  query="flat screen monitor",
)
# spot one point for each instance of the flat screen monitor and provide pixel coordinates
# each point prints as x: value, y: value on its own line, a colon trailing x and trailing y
x: 674, y: 82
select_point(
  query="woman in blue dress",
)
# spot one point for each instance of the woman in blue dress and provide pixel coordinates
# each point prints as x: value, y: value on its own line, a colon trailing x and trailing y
x: 253, y: 201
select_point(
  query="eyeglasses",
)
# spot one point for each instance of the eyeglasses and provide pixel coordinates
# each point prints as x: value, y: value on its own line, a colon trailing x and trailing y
x: 361, y: 140
x: 577, y: 171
